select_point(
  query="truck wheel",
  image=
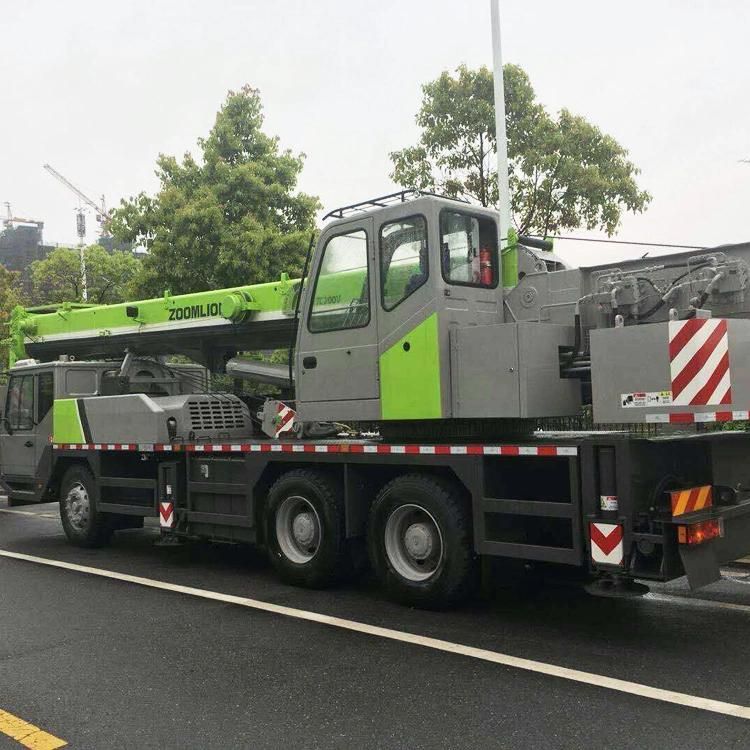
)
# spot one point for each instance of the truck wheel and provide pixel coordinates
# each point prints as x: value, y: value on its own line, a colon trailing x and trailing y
x: 83, y: 524
x: 419, y: 541
x: 305, y: 529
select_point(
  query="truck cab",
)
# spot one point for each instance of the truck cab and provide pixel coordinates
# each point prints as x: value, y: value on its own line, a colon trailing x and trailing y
x: 46, y: 399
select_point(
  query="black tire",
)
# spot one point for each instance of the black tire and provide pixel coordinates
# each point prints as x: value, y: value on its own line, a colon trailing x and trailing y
x: 438, y: 568
x: 84, y: 528
x: 305, y: 530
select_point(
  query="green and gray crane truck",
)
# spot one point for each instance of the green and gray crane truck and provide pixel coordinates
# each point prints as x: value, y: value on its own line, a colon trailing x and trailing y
x: 451, y: 352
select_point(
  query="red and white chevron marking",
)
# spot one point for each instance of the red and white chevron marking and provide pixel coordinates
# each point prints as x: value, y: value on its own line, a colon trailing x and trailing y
x: 699, y: 362
x: 606, y: 543
x: 166, y: 515
x: 356, y: 448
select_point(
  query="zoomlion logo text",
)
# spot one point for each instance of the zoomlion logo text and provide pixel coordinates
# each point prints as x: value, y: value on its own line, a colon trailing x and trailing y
x: 211, y: 310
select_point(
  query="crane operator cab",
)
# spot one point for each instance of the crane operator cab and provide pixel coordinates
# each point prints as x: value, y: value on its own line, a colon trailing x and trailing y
x: 402, y: 318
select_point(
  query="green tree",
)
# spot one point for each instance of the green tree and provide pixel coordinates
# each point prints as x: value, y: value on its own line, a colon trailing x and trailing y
x: 563, y: 171
x: 109, y: 276
x: 230, y: 217
x: 11, y: 294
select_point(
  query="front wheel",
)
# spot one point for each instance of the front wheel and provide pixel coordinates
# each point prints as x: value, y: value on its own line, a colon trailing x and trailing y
x: 82, y: 522
x: 305, y: 529
x: 419, y: 541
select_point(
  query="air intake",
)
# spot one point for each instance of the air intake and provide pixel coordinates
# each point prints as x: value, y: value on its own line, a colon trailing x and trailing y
x: 212, y: 413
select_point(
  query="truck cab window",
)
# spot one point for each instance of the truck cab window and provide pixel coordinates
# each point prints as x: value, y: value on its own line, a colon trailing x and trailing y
x: 46, y: 394
x: 341, y: 297
x: 19, y: 409
x: 403, y: 259
x: 468, y: 249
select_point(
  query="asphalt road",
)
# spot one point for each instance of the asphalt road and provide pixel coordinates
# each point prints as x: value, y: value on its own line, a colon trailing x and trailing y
x: 106, y: 663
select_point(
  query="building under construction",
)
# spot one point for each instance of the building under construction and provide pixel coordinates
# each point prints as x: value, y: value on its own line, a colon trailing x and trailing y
x: 21, y: 245
x: 22, y: 242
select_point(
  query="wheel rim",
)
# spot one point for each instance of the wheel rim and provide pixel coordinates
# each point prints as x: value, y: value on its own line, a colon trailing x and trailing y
x: 78, y: 506
x: 413, y: 542
x: 298, y: 529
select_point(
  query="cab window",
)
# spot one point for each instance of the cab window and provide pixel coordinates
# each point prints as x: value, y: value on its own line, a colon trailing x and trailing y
x: 403, y: 259
x: 468, y: 249
x: 46, y: 384
x: 19, y: 406
x: 341, y: 297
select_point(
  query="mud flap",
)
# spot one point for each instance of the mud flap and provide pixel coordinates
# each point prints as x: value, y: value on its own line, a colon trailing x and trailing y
x: 701, y: 564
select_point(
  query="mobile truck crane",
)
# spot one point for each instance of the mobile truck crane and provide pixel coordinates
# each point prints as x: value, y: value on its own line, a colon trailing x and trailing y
x: 421, y: 325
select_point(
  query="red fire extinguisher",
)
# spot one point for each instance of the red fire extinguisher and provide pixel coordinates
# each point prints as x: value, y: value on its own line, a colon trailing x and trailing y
x: 485, y: 267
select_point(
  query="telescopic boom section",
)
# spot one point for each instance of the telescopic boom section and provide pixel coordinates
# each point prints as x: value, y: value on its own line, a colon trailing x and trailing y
x: 209, y: 327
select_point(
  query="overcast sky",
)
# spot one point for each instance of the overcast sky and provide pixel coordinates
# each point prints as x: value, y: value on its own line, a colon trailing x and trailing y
x: 98, y: 89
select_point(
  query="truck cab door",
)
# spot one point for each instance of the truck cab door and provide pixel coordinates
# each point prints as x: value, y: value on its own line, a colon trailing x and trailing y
x: 24, y: 431
x: 411, y: 386
x: 17, y: 442
x: 337, y: 351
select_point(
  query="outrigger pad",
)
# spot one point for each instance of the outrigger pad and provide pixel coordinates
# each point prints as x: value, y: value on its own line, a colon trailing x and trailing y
x: 616, y: 587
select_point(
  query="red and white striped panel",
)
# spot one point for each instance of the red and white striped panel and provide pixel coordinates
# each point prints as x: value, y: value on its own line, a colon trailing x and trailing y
x: 699, y: 362
x: 285, y: 419
x: 701, y: 416
x: 295, y: 447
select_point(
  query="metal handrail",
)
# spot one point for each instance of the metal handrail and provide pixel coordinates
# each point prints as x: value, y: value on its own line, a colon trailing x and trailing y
x: 386, y: 200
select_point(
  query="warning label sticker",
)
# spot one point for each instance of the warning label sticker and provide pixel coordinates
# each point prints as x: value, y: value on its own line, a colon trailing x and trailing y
x: 645, y: 398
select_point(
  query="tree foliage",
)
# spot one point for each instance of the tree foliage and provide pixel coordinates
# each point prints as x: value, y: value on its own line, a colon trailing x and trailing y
x: 109, y: 276
x: 230, y: 217
x: 563, y: 171
x: 11, y: 294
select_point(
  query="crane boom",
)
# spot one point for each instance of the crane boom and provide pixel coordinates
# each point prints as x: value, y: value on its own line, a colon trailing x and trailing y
x: 207, y: 326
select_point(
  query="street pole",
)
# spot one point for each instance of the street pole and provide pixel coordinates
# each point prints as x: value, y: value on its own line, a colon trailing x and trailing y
x: 500, y: 135
x: 81, y: 231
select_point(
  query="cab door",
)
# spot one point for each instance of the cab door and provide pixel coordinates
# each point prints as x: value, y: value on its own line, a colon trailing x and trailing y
x: 17, y: 439
x: 25, y: 430
x: 411, y: 386
x: 337, y: 362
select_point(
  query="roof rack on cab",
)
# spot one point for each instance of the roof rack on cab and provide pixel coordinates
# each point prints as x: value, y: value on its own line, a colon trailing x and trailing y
x: 385, y: 200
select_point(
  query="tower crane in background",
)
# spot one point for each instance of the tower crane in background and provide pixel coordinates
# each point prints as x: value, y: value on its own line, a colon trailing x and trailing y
x: 102, y: 217
x: 100, y: 209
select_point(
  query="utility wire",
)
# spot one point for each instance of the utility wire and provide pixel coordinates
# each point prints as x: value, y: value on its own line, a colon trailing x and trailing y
x: 620, y: 242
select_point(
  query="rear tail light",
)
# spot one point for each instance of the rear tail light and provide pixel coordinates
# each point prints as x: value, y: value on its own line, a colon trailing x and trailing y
x: 697, y: 533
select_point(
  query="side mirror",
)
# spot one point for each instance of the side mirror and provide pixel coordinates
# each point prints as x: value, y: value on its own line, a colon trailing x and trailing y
x: 5, y: 422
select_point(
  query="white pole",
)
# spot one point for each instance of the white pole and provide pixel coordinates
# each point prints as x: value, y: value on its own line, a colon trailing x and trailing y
x: 84, y: 280
x: 502, y: 142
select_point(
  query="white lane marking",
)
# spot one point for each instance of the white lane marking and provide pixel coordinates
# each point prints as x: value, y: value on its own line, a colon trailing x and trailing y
x: 700, y: 603
x: 552, y: 670
x: 743, y: 581
x: 29, y: 513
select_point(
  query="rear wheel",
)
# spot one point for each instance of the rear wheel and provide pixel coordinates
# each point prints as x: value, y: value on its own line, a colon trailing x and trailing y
x: 83, y: 524
x: 305, y: 529
x: 419, y: 541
